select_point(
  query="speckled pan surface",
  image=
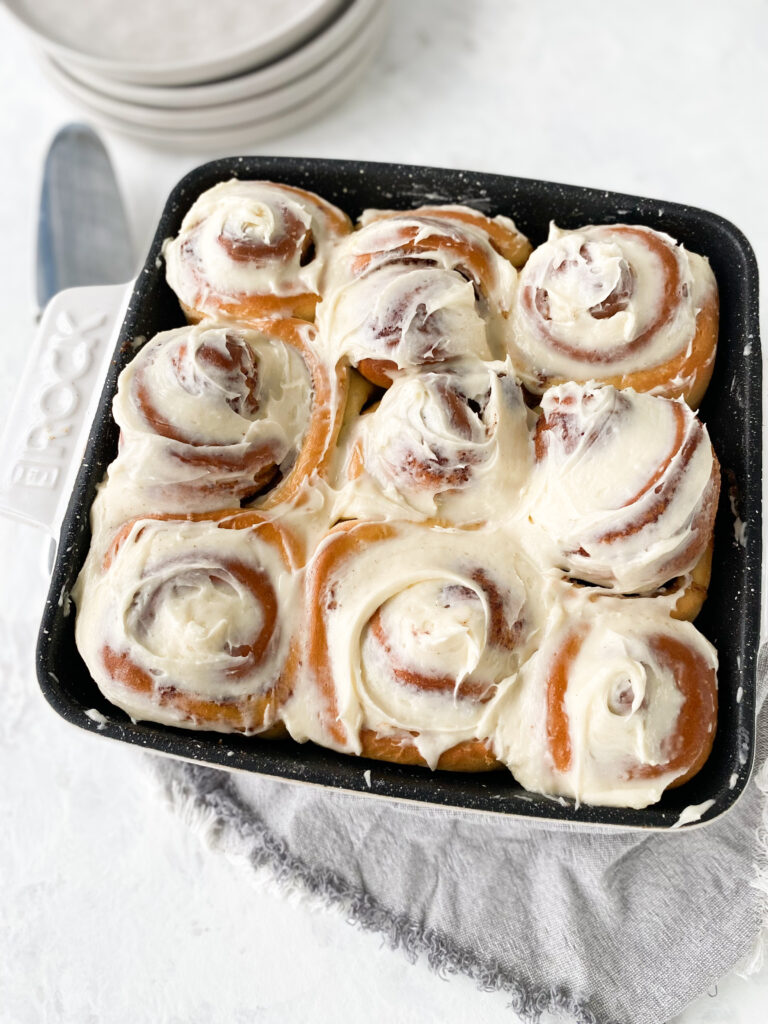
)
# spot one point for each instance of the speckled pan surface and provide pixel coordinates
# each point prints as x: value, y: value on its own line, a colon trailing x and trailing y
x: 732, y: 411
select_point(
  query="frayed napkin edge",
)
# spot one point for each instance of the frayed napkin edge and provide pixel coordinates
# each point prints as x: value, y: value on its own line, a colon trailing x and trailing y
x: 756, y: 958
x: 270, y: 867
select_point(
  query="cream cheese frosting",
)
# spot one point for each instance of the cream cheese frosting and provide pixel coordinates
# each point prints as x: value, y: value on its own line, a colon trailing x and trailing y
x: 452, y: 444
x: 420, y: 628
x: 409, y: 315
x: 415, y: 289
x: 191, y: 608
x: 606, y: 300
x: 612, y: 708
x: 625, y: 486
x: 207, y: 414
x: 501, y: 231
x: 221, y: 413
x: 250, y: 238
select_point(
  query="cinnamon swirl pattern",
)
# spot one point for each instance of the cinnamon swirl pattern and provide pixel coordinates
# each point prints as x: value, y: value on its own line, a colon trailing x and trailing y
x: 625, y: 488
x: 618, y: 303
x: 192, y: 623
x: 612, y: 709
x: 363, y: 532
x: 413, y: 634
x: 219, y: 412
x: 445, y: 444
x: 253, y: 249
x: 413, y: 289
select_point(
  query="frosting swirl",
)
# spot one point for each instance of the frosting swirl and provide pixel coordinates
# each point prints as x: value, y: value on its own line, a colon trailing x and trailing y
x: 625, y: 487
x: 192, y: 622
x: 624, y: 304
x: 218, y: 412
x: 451, y: 443
x: 612, y: 708
x: 253, y: 248
x: 413, y: 289
x: 414, y: 633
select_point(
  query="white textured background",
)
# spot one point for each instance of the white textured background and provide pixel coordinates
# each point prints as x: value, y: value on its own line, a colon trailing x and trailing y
x: 110, y: 909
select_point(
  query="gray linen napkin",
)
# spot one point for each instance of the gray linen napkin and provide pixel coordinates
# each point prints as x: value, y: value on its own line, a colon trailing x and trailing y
x: 598, y: 926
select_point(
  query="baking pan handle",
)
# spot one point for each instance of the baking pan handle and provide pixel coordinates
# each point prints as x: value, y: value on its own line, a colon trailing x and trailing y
x: 42, y: 446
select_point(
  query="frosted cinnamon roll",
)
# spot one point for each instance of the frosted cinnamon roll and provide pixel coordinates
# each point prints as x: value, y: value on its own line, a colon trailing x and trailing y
x: 193, y: 623
x: 617, y: 303
x: 501, y: 231
x: 451, y: 444
x: 219, y: 412
x: 613, y: 708
x: 253, y: 249
x: 625, y: 487
x: 413, y: 635
x: 411, y: 289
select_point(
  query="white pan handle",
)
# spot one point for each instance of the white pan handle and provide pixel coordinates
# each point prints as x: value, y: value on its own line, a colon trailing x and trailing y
x: 42, y: 446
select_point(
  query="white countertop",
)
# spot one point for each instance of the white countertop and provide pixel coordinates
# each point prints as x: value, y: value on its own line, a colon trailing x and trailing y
x: 112, y: 909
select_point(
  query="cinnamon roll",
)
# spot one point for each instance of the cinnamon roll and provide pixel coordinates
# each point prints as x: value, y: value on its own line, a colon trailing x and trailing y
x: 411, y: 289
x: 253, y: 249
x: 617, y: 303
x: 612, y: 708
x: 193, y: 623
x: 501, y: 231
x: 451, y: 444
x: 413, y: 635
x: 219, y: 412
x: 625, y: 488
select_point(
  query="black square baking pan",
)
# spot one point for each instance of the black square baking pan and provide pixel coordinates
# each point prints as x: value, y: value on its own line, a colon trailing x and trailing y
x: 731, y: 410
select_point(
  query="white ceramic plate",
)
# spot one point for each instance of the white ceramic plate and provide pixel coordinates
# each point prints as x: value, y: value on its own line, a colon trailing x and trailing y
x: 247, y: 134
x: 245, y: 111
x: 331, y: 38
x: 172, y: 42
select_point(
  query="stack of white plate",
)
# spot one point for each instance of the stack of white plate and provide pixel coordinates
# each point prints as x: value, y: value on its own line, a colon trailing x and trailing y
x: 195, y: 74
